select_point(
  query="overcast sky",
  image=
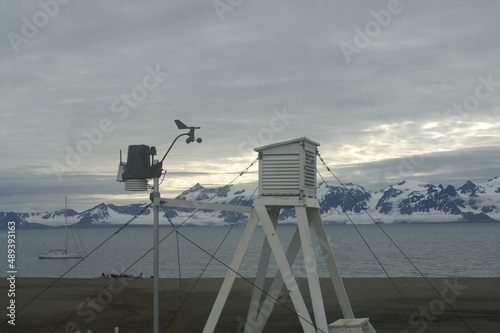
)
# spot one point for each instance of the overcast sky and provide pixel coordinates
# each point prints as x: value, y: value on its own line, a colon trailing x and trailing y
x: 391, y: 90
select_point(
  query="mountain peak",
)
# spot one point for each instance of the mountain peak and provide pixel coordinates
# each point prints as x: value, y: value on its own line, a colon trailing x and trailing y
x: 471, y: 189
x: 196, y: 187
x: 409, y: 200
x: 468, y: 185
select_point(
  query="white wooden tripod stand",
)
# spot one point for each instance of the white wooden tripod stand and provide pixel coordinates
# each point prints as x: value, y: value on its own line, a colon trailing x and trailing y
x: 266, y: 210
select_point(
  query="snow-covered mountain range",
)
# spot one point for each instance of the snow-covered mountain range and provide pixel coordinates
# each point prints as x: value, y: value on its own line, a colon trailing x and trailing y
x: 405, y: 202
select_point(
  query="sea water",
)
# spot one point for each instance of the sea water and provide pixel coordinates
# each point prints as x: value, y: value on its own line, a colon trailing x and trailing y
x: 431, y: 250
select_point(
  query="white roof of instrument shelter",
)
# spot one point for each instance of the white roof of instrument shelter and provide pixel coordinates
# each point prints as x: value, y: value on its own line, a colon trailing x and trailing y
x: 277, y: 144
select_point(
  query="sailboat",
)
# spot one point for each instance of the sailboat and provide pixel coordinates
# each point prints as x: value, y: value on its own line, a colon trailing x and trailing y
x: 63, y: 253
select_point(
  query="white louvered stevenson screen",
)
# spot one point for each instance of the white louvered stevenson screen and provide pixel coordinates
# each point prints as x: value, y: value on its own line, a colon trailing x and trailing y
x: 280, y: 174
x: 288, y: 168
x: 310, y: 170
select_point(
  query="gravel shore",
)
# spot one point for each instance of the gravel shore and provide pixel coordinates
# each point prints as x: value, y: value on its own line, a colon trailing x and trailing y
x: 127, y: 304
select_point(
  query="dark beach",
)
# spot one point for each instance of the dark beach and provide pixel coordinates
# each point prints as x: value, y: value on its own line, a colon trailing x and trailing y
x: 127, y: 304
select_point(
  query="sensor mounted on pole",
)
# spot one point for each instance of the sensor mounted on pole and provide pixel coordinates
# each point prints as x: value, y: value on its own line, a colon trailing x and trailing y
x: 139, y: 168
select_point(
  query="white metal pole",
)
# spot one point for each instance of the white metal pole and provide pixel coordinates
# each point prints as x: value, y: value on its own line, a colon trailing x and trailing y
x: 156, y: 255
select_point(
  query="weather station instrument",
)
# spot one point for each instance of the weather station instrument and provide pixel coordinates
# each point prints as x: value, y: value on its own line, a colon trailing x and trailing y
x: 135, y: 173
x: 287, y: 179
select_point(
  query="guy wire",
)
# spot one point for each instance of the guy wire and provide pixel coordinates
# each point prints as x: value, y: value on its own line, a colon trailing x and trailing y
x: 392, y: 241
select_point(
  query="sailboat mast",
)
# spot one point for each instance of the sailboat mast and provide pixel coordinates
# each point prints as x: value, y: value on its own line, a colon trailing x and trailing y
x: 66, y: 222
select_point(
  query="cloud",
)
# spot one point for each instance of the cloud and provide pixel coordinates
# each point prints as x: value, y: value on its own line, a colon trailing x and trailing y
x: 396, y: 99
x: 445, y: 168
